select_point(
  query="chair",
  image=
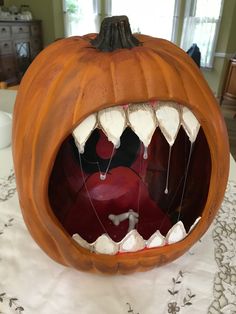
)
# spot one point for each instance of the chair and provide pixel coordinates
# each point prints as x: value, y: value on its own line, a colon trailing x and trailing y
x: 195, y: 54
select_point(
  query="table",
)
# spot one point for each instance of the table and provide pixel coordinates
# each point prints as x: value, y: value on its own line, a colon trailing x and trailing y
x: 201, y: 281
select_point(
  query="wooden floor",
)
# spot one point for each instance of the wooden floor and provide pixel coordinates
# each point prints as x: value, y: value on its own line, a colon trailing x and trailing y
x: 229, y: 112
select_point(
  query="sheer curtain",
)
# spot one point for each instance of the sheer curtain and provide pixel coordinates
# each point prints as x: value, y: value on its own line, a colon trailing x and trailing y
x: 201, y: 25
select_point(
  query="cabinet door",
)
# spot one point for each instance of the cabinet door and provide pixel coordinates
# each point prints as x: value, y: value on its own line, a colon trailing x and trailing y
x: 35, y: 30
x: 231, y: 81
x: 5, y: 47
x: 22, y: 52
x: 35, y: 46
x: 8, y: 66
x: 20, y: 31
x: 5, y: 32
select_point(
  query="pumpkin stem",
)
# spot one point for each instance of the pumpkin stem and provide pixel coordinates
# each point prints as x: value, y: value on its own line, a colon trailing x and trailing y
x: 115, y: 33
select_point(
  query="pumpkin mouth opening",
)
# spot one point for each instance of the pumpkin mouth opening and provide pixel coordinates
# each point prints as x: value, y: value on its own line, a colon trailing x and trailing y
x: 131, y: 177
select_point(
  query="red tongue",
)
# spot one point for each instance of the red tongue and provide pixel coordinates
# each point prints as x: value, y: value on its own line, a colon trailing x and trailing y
x: 120, y: 191
x: 104, y: 148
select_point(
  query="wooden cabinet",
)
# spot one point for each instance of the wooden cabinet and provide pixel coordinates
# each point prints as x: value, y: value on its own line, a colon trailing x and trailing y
x: 20, y: 42
x: 229, y: 89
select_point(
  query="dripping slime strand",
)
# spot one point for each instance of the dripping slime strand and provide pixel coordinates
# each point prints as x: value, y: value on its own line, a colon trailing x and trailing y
x: 168, y: 171
x: 89, y: 196
x: 104, y: 175
x: 145, y: 153
x: 185, y: 179
x: 142, y: 177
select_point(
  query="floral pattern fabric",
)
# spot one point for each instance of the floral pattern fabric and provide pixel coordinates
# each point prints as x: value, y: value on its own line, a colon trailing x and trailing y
x: 7, y: 187
x: 224, y: 236
x: 201, y: 281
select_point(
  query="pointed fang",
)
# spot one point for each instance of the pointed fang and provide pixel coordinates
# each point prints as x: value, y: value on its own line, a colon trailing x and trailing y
x: 132, y: 242
x: 82, y: 132
x: 156, y: 240
x: 105, y: 245
x: 142, y: 121
x: 81, y: 241
x: 190, y: 124
x: 168, y: 118
x: 176, y: 233
x: 113, y: 122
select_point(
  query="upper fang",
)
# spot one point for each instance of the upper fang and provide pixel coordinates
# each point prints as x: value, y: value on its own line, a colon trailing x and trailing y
x: 82, y: 132
x: 190, y: 124
x: 167, y: 114
x: 142, y: 121
x: 113, y: 122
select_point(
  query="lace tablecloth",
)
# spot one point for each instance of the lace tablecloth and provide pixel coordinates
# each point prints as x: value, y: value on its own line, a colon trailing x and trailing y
x: 201, y: 281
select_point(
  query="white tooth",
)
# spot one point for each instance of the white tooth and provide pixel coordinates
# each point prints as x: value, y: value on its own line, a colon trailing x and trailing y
x: 105, y: 245
x: 132, y: 242
x: 81, y: 241
x: 142, y: 121
x: 113, y: 122
x: 190, y: 124
x: 176, y: 233
x: 83, y: 131
x: 168, y: 118
x: 194, y: 224
x: 156, y: 240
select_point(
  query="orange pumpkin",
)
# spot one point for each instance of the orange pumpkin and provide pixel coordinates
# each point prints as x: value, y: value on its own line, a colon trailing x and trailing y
x: 172, y: 181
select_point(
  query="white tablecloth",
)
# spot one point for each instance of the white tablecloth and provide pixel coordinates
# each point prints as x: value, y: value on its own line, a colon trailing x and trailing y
x: 201, y: 281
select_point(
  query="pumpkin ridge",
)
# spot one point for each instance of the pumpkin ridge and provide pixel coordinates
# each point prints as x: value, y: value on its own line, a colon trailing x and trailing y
x: 158, y: 55
x: 27, y: 84
x: 27, y: 126
x: 208, y: 96
x: 112, y: 74
x: 40, y: 116
x: 140, y: 62
x: 79, y: 97
x: 177, y: 70
x: 167, y: 46
x: 48, y: 211
x: 49, y: 240
x: 42, y: 111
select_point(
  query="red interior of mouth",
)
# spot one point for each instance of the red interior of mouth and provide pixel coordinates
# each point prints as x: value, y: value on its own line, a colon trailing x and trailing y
x: 82, y: 201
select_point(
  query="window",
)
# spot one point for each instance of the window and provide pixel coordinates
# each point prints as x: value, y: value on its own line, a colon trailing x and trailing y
x: 80, y: 17
x: 159, y: 18
x: 201, y: 26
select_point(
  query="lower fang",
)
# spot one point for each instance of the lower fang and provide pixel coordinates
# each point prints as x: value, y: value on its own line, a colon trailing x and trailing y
x: 156, y: 240
x: 194, y: 224
x: 105, y: 245
x: 81, y: 241
x: 132, y: 242
x: 166, y: 191
x: 176, y: 233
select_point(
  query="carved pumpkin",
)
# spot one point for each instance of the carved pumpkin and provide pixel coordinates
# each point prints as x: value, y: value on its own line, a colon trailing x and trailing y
x: 120, y: 150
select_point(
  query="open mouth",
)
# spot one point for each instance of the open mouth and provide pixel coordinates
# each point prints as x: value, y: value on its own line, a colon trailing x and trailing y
x: 132, y: 177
